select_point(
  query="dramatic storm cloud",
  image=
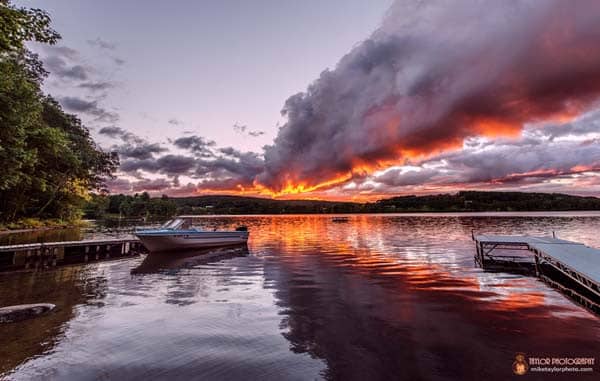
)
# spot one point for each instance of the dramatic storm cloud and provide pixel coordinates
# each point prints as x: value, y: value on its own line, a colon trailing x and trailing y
x: 552, y: 158
x: 196, y: 144
x: 90, y: 107
x: 434, y: 74
x: 442, y: 96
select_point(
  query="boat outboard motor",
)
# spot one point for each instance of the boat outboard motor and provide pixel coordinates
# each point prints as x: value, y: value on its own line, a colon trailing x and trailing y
x: 241, y: 229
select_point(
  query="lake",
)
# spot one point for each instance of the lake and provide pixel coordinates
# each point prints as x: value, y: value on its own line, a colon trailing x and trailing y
x: 377, y: 297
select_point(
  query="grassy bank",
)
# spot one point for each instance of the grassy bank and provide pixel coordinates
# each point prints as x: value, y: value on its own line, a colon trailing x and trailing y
x: 39, y: 224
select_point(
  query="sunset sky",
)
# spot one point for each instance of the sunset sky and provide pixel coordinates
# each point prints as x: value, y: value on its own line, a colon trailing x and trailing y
x: 343, y: 99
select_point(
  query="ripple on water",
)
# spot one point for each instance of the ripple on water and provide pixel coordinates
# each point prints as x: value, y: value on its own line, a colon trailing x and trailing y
x: 375, y: 297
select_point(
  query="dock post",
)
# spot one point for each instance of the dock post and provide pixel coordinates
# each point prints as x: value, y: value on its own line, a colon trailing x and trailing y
x: 481, y: 257
x: 54, y: 256
x: 27, y: 255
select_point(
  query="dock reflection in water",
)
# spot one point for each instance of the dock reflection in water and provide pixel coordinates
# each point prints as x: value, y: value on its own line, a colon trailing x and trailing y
x: 378, y: 297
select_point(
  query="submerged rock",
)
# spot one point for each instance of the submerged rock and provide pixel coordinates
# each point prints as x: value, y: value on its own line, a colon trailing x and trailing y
x: 20, y: 312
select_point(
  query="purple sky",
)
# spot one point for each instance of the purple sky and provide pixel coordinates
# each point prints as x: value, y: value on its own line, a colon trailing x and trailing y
x: 206, y: 65
x: 379, y: 97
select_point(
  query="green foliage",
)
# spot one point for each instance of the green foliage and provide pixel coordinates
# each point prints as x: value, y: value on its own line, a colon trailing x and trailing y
x: 474, y: 201
x: 254, y: 205
x: 137, y: 206
x: 460, y: 202
x: 18, y: 25
x: 142, y: 206
x: 48, y: 159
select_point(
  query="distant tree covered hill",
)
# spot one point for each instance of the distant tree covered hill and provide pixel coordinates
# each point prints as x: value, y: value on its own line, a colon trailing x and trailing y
x: 256, y: 205
x: 141, y: 205
x: 464, y: 201
x: 488, y: 201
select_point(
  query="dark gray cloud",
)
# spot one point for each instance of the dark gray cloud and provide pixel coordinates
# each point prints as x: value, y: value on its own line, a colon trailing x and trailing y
x: 79, y: 105
x: 118, y: 185
x: 434, y: 74
x: 151, y: 185
x: 141, y: 151
x: 156, y: 186
x: 243, y: 129
x: 136, y: 152
x: 240, y: 128
x: 102, y: 44
x: 59, y: 67
x: 507, y: 163
x: 112, y: 131
x: 222, y: 169
x: 175, y: 122
x: 119, y: 133
x: 173, y: 165
x: 242, y: 167
x: 198, y: 145
x: 421, y: 91
x: 96, y: 85
x: 398, y: 178
x: 589, y: 123
x: 64, y: 63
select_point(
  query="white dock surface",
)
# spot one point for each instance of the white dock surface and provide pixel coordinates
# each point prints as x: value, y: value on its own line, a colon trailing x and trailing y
x: 576, y: 256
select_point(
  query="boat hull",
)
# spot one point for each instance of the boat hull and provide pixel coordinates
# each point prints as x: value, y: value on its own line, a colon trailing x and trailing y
x: 188, y: 241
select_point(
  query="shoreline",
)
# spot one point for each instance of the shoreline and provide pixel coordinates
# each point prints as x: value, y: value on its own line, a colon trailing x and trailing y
x: 5, y: 231
x: 45, y: 225
x: 550, y: 213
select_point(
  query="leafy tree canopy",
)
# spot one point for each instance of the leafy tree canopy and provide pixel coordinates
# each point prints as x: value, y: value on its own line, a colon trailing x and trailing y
x: 18, y: 25
x: 49, y: 161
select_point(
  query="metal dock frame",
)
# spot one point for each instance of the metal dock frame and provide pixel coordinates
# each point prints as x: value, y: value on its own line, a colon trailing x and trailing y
x: 49, y: 254
x: 574, y: 260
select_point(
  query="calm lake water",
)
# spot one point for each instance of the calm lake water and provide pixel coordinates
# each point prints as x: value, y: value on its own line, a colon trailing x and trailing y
x: 379, y: 297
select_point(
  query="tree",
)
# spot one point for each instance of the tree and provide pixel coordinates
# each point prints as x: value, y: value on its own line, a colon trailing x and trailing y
x: 18, y: 25
x: 49, y: 161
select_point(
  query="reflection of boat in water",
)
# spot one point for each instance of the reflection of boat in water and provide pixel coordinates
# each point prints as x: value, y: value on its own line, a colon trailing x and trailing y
x: 155, y: 262
x: 340, y: 219
x: 178, y: 234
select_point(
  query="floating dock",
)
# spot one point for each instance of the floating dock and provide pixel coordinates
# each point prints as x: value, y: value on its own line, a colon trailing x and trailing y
x: 574, y: 263
x: 49, y: 254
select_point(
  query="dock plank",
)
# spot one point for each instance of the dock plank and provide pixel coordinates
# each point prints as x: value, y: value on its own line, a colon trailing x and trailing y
x: 89, y: 242
x: 520, y: 240
x: 583, y: 259
x: 575, y: 256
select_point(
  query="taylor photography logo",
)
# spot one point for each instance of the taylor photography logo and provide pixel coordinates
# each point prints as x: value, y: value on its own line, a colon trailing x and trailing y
x: 520, y: 366
x: 558, y: 364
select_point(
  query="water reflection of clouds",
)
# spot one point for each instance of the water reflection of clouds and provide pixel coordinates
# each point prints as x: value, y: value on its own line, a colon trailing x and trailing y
x: 413, y: 279
x: 428, y: 252
x: 373, y: 296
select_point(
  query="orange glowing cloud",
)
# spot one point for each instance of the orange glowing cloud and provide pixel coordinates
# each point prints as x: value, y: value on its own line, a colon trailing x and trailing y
x: 412, y: 92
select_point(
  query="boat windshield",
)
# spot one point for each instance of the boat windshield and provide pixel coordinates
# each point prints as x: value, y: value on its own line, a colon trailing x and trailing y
x: 173, y: 224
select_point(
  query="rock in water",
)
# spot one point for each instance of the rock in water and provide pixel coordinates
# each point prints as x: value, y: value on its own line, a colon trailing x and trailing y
x: 20, y: 312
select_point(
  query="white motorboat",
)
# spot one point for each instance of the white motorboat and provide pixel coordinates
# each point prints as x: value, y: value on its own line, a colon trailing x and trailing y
x: 178, y: 234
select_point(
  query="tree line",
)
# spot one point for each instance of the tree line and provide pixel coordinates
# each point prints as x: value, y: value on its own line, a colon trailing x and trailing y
x: 144, y: 206
x: 49, y: 161
x: 129, y: 206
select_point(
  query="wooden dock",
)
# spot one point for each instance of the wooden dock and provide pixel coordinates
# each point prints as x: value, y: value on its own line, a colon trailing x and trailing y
x: 49, y: 254
x: 572, y: 261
